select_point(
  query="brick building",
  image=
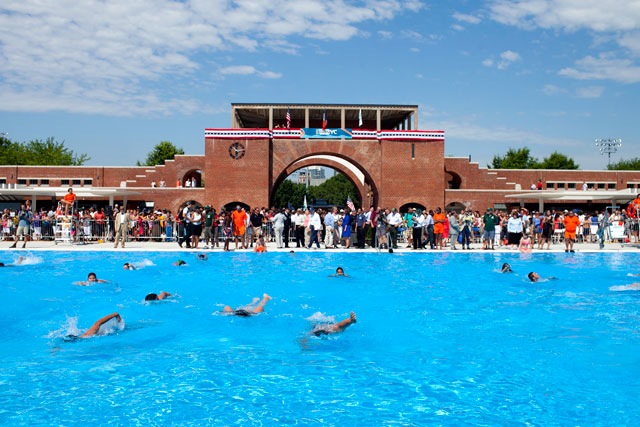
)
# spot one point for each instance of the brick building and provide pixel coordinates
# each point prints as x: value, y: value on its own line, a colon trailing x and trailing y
x: 378, y: 147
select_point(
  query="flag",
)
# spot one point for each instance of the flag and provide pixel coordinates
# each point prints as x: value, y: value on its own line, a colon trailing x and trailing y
x: 288, y: 117
x: 305, y: 202
x: 360, y: 118
x: 324, y: 120
x: 350, y: 203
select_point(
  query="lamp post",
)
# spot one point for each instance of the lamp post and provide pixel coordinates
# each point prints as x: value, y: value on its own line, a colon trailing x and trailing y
x: 608, y: 146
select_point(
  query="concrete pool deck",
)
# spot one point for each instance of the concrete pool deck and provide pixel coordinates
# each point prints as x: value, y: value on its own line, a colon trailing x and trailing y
x: 143, y: 246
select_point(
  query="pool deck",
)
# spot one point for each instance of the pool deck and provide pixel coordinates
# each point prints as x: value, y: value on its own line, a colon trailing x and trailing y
x: 142, y: 246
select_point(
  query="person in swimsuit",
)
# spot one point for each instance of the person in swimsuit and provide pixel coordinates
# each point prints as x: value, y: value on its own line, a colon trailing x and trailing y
x: 128, y: 266
x: 506, y: 268
x: 157, y: 297
x: 525, y: 244
x: 93, y: 330
x: 256, y: 306
x: 334, y: 328
x: 339, y: 273
x: 91, y: 279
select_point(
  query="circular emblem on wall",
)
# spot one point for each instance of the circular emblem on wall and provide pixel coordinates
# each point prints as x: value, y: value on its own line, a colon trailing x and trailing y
x: 236, y: 150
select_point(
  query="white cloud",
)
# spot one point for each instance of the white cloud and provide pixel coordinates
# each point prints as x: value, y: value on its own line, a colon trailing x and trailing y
x: 507, y: 58
x: 385, y: 34
x: 590, y: 92
x: 603, y: 67
x: 551, y: 90
x: 467, y: 19
x: 119, y: 56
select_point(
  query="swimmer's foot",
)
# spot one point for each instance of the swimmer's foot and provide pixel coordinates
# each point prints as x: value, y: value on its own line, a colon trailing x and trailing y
x: 266, y: 297
x: 353, y: 317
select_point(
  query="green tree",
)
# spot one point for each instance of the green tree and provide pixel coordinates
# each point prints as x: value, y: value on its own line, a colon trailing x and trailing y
x: 165, y: 150
x: 628, y: 165
x: 336, y: 190
x: 515, y: 159
x: 557, y: 161
x: 37, y: 152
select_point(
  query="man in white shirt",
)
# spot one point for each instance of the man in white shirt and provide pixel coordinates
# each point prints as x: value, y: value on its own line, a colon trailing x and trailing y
x: 394, y: 220
x: 329, y: 226
x: 316, y: 227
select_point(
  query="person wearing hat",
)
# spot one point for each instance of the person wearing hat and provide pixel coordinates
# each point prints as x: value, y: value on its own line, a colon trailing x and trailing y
x: 571, y: 223
x: 489, y: 219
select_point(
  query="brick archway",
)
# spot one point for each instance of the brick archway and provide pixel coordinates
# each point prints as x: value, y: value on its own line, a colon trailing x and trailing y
x: 367, y: 190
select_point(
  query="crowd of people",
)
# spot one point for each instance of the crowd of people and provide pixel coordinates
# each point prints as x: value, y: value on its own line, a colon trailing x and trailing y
x: 203, y: 227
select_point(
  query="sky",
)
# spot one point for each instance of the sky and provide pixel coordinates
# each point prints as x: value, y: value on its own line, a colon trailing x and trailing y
x: 112, y: 78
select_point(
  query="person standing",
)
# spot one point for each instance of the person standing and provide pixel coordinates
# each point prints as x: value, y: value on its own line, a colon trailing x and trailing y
x: 361, y: 220
x: 287, y: 227
x: 418, y: 227
x: 571, y: 223
x: 489, y: 219
x: 514, y: 230
x: 439, y: 219
x: 121, y: 224
x: 24, y: 225
x: 346, y: 228
x: 454, y: 229
x: 315, y: 224
x: 209, y: 225
x: 395, y: 220
x: 329, y: 224
x: 298, y: 224
x: 239, y: 219
x: 278, y: 228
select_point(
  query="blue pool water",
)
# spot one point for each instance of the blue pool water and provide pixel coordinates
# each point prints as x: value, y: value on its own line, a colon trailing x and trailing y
x: 441, y: 339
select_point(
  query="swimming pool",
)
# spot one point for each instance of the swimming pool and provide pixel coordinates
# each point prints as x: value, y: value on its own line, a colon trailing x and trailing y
x: 441, y: 339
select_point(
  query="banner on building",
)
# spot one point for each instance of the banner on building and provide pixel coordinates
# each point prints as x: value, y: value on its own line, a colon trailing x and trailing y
x: 329, y: 133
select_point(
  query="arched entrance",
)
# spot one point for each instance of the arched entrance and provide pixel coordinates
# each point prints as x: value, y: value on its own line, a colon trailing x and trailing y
x: 193, y: 179
x: 368, y: 192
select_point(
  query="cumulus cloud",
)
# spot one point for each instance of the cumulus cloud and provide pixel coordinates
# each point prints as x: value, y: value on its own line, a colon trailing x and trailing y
x: 118, y: 57
x: 590, y: 92
x: 603, y: 67
x: 506, y: 58
x: 466, y: 18
x: 607, y: 20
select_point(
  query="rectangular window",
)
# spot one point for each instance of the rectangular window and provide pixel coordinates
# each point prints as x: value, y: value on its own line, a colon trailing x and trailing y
x: 3, y: 180
x: 612, y: 186
x: 76, y: 182
x: 560, y: 186
x: 64, y: 182
x: 33, y: 182
x: 551, y: 185
x: 601, y: 186
x: 88, y: 182
x: 22, y: 181
x: 571, y: 186
x: 413, y: 151
x: 44, y: 182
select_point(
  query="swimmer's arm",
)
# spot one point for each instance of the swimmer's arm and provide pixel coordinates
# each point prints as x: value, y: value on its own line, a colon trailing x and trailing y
x: 96, y: 326
x: 164, y: 295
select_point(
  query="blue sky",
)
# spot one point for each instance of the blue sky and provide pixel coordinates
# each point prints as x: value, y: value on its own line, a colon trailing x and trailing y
x: 113, y: 78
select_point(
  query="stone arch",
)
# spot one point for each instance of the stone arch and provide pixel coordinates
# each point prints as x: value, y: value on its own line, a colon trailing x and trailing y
x: 232, y: 206
x: 361, y: 179
x: 454, y: 181
x: 455, y: 206
x: 405, y: 208
x: 198, y: 174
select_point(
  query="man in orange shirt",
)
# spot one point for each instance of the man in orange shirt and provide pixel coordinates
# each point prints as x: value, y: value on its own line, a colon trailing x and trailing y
x: 571, y: 223
x: 438, y: 227
x: 239, y: 218
x: 68, y: 200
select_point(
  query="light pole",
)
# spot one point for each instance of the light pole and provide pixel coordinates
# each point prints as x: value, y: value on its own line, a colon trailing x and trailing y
x: 608, y: 146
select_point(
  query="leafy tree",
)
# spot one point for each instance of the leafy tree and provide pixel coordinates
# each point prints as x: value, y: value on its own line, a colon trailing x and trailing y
x: 335, y: 191
x: 165, y: 150
x: 629, y: 165
x: 557, y: 161
x: 37, y: 152
x: 515, y: 159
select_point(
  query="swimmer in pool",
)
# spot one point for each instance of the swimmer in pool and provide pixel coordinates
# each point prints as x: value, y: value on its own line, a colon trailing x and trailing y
x: 18, y: 262
x: 533, y: 276
x: 506, y: 268
x: 157, y: 297
x: 256, y: 306
x: 339, y: 273
x: 202, y: 257
x: 179, y: 262
x: 334, y: 328
x: 93, y: 330
x: 128, y: 266
x: 91, y: 279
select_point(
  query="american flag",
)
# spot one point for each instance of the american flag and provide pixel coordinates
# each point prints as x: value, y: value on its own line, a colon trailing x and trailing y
x: 360, y: 118
x: 350, y: 203
x: 288, y: 117
x: 324, y: 120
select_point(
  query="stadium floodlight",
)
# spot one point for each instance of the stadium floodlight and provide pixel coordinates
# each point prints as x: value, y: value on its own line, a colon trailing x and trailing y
x: 608, y: 146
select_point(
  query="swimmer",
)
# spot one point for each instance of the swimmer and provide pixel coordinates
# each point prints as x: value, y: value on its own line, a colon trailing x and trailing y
x: 18, y: 262
x: 255, y: 307
x: 339, y: 273
x: 533, y: 276
x: 157, y: 297
x: 631, y: 287
x: 128, y: 266
x: 179, y: 262
x: 92, y: 278
x: 202, y: 257
x: 260, y: 245
x: 506, y: 268
x: 93, y: 330
x: 334, y: 328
